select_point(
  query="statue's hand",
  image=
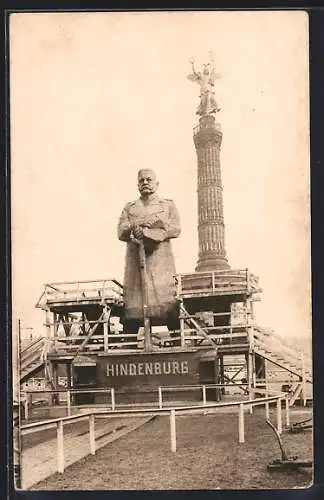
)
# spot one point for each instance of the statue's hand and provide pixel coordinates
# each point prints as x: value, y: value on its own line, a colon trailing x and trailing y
x: 138, y: 232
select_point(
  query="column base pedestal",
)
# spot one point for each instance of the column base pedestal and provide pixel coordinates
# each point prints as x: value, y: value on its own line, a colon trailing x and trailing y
x: 212, y: 264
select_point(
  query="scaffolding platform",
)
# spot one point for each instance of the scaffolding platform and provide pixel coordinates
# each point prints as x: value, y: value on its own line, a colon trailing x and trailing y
x: 217, y: 336
x: 238, y: 283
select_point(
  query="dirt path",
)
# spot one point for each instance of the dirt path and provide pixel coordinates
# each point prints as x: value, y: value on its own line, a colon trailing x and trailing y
x: 40, y: 461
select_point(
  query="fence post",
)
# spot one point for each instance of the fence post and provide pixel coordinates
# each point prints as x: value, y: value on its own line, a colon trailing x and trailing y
x: 60, y: 447
x: 241, y: 423
x: 68, y: 402
x: 287, y: 412
x: 92, y: 434
x: 113, y: 404
x: 204, y: 394
x: 279, y: 421
x: 173, y: 431
x: 160, y: 397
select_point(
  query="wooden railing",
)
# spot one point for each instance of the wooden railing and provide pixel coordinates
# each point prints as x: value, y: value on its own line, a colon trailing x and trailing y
x: 220, y: 334
x: 64, y: 396
x: 81, y: 291
x: 213, y: 282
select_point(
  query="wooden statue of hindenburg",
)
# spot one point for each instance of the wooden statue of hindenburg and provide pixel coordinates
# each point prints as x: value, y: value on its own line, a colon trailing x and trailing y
x: 154, y: 221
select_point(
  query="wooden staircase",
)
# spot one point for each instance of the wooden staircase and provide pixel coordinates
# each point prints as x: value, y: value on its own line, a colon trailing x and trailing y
x: 271, y: 347
x: 32, y: 358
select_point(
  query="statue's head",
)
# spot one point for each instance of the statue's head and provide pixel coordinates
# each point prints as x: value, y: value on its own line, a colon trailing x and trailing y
x: 146, y: 181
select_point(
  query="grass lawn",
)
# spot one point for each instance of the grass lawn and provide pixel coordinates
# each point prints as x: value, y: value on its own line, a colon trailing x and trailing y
x: 208, y: 457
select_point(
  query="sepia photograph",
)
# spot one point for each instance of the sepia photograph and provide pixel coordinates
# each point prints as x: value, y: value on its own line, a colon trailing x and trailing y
x: 161, y: 256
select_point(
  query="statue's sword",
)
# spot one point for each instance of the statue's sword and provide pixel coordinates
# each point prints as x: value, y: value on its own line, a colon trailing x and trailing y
x: 147, y: 326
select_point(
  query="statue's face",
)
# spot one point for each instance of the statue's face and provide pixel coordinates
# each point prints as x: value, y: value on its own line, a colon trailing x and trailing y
x: 147, y: 183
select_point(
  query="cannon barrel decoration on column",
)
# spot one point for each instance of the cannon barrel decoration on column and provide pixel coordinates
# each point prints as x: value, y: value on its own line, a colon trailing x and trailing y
x: 208, y: 139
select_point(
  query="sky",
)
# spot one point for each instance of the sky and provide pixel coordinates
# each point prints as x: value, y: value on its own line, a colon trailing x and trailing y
x: 94, y: 97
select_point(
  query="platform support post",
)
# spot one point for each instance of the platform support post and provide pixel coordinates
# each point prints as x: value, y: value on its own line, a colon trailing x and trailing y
x: 105, y: 327
x: 253, y: 369
x: 267, y: 407
x: 55, y: 395
x: 248, y: 358
x: 69, y: 374
x: 182, y: 332
x: 68, y: 402
x: 221, y: 369
x: 48, y: 323
x: 26, y: 406
x: 55, y: 324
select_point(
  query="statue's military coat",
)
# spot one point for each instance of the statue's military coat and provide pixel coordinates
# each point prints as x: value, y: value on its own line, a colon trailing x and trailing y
x: 160, y: 266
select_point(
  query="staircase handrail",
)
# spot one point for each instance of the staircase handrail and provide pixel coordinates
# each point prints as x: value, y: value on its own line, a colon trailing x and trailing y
x: 32, y: 343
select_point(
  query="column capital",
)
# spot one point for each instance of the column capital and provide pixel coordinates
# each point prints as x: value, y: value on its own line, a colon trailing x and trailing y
x: 208, y: 131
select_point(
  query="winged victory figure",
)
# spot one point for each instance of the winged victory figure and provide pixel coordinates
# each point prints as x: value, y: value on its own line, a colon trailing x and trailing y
x: 206, y: 79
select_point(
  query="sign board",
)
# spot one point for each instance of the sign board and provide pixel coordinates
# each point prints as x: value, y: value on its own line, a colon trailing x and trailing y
x: 148, y: 369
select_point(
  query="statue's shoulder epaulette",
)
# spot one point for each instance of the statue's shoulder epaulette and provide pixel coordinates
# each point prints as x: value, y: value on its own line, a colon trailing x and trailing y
x: 169, y: 201
x: 131, y: 204
x: 165, y: 201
